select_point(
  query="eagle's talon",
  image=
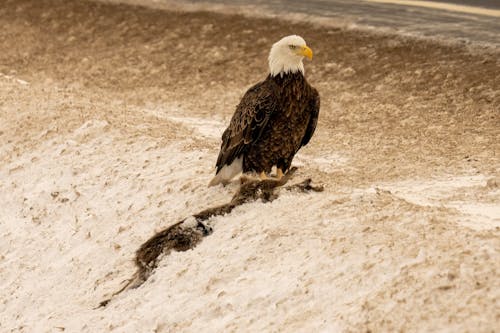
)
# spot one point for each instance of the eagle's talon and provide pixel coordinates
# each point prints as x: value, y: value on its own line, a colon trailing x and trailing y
x: 279, y: 174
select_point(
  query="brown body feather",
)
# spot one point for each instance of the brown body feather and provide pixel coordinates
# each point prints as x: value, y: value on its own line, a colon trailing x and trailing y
x: 274, y: 119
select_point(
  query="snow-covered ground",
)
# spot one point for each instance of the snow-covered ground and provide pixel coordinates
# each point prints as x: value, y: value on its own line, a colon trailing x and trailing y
x: 108, y: 136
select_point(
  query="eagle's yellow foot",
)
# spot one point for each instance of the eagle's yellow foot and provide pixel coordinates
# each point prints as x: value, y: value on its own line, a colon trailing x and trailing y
x: 279, y: 174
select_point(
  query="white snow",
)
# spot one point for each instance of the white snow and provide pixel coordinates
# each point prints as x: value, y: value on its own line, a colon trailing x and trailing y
x: 77, y: 204
x: 442, y: 192
x: 206, y: 127
x: 12, y: 77
x: 75, y: 209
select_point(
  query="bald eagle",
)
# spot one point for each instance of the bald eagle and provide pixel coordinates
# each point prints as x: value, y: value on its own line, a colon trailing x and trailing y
x: 273, y: 120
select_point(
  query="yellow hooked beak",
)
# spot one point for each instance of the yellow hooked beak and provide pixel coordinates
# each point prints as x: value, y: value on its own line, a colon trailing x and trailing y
x: 306, y: 52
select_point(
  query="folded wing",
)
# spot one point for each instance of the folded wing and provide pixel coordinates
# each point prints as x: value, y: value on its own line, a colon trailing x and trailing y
x: 248, y: 122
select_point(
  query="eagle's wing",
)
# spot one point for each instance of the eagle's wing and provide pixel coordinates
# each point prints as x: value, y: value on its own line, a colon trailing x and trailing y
x: 313, y: 120
x: 248, y: 122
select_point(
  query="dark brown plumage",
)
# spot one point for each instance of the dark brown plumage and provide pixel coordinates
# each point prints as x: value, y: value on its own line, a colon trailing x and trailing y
x: 274, y: 119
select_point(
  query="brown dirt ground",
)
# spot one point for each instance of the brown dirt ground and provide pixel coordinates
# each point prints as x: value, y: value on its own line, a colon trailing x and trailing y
x: 397, y: 106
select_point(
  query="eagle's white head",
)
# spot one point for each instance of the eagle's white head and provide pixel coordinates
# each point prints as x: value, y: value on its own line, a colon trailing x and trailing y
x: 286, y: 55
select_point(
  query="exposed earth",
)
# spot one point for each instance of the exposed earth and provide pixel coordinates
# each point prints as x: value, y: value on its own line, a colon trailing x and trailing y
x: 110, y: 124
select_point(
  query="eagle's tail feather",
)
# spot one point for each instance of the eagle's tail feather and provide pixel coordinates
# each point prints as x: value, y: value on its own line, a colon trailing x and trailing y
x: 227, y: 172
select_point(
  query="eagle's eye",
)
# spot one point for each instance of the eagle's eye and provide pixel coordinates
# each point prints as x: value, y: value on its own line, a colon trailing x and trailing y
x: 292, y: 47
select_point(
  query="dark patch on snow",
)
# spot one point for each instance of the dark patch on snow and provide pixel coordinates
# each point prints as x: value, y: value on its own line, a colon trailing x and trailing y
x: 183, y: 235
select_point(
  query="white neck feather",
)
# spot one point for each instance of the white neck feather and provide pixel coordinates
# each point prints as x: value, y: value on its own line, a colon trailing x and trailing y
x: 280, y: 66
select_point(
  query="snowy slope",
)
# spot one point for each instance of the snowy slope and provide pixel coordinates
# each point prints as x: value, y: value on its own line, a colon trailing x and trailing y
x: 97, y: 155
